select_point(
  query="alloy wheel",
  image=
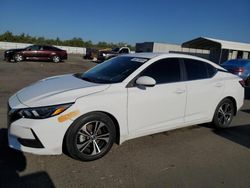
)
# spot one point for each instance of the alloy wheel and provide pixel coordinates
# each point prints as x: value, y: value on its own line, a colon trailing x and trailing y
x: 56, y: 59
x: 92, y: 138
x: 225, y: 114
x: 18, y: 57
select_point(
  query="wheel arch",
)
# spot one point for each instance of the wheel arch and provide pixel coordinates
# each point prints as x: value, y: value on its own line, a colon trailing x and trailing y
x: 18, y: 53
x: 117, y: 128
x: 234, y: 103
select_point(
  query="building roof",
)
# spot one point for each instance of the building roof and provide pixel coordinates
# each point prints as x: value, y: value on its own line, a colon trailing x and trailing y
x: 209, y: 43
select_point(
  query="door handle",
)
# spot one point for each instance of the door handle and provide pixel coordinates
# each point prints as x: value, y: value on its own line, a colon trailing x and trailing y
x: 180, y: 91
x: 218, y: 84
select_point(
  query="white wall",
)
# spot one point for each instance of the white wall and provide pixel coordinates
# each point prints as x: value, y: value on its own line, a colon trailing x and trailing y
x: 69, y: 49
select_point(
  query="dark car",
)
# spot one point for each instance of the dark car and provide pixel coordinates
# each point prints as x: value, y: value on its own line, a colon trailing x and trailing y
x: 91, y: 53
x: 36, y: 52
x: 240, y: 67
x: 108, y: 54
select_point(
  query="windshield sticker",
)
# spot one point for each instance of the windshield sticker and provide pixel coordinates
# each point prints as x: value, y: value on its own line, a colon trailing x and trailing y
x: 140, y: 60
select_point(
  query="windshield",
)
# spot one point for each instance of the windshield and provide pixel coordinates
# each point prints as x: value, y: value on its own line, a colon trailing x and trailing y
x: 32, y: 47
x: 115, y: 49
x: 114, y: 70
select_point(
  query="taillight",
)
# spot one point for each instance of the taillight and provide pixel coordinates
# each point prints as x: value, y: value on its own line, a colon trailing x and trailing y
x: 242, y: 83
x: 238, y: 70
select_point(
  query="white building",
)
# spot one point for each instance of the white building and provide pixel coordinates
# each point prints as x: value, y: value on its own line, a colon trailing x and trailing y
x: 220, y: 50
x: 215, y: 50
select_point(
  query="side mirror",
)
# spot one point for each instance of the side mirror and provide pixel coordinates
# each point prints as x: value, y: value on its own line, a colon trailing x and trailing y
x: 146, y: 81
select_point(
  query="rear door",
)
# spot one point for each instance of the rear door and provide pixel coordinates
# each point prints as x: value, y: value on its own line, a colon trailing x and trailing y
x: 204, y: 89
x: 47, y: 52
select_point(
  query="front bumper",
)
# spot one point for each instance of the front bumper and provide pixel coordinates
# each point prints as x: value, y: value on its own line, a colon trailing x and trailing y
x: 8, y: 56
x: 37, y: 136
x: 64, y: 56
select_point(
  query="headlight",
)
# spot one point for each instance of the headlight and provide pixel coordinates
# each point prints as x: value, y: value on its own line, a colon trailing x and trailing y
x: 43, y: 112
x: 104, y: 55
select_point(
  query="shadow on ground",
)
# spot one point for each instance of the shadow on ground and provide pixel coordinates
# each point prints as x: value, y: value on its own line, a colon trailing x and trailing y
x: 246, y: 111
x: 238, y: 134
x: 12, y: 163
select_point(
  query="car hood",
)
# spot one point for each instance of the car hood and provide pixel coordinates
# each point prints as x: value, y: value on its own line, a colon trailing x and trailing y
x: 57, y: 90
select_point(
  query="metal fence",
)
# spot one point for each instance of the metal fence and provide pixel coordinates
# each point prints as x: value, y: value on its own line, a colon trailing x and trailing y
x: 69, y: 49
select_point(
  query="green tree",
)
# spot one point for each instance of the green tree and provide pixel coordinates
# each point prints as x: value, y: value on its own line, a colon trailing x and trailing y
x: 7, y: 37
x: 76, y: 41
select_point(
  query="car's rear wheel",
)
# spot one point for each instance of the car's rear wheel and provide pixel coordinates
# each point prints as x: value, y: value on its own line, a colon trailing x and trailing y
x: 224, y: 113
x: 18, y: 57
x: 56, y: 59
x: 90, y: 137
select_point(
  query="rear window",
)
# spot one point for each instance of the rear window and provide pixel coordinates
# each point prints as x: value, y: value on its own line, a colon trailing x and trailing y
x: 211, y: 70
x: 52, y: 48
x: 196, y: 69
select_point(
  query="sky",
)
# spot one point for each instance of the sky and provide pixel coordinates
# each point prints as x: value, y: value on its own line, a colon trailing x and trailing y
x: 128, y: 21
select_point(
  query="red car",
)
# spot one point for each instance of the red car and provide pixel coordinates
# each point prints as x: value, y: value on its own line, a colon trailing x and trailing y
x: 36, y: 52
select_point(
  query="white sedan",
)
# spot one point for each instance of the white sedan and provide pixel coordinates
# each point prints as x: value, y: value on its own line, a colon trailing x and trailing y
x: 123, y: 98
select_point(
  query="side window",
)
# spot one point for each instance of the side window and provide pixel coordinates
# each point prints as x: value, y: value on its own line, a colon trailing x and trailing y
x: 34, y: 47
x: 47, y: 48
x: 164, y: 71
x: 211, y: 70
x: 197, y: 69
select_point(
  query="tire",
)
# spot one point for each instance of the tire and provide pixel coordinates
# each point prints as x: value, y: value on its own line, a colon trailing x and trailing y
x: 224, y: 114
x: 56, y: 59
x: 18, y: 58
x: 90, y: 137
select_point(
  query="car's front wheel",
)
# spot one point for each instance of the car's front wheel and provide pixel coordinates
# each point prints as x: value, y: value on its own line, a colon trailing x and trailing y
x: 224, y: 113
x: 18, y: 57
x: 90, y: 137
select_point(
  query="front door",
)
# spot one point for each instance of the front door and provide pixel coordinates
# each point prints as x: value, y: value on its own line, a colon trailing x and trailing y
x: 31, y: 52
x: 158, y: 108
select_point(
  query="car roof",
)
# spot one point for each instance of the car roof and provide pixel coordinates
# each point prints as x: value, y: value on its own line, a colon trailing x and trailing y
x: 42, y: 45
x: 151, y: 55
